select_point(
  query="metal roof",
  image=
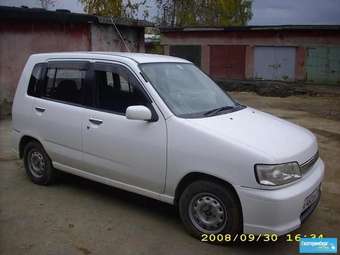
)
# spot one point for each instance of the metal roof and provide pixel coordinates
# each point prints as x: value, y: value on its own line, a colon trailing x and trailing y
x: 123, y: 21
x: 253, y: 28
x: 65, y: 16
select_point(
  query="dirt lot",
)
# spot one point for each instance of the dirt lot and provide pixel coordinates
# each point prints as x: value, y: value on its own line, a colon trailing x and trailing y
x: 76, y: 216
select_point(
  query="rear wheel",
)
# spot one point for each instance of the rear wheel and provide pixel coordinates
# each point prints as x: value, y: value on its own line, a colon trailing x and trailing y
x: 38, y: 165
x: 210, y: 208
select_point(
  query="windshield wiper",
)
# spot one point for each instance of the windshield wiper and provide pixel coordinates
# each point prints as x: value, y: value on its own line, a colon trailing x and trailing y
x: 217, y: 110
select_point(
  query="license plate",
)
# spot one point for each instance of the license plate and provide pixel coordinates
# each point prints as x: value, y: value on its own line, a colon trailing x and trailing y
x: 311, y: 199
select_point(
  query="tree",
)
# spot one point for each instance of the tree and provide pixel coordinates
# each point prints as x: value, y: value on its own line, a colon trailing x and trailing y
x: 177, y: 12
x: 205, y: 12
x: 47, y: 3
x: 132, y: 9
x: 103, y: 7
x: 116, y: 8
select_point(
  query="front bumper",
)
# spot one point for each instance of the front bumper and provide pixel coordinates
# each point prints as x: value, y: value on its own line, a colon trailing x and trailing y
x: 279, y: 211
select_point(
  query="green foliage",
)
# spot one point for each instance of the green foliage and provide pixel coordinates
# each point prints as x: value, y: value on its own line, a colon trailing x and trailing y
x: 155, y: 48
x: 103, y: 7
x: 116, y: 8
x: 205, y: 12
x: 177, y: 12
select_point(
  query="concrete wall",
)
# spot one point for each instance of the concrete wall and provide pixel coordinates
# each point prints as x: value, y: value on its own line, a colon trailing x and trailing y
x: 106, y: 38
x: 18, y: 40
x: 300, y: 39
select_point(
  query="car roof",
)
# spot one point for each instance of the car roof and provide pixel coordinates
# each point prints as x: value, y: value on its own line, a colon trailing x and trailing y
x: 144, y: 57
x: 137, y: 57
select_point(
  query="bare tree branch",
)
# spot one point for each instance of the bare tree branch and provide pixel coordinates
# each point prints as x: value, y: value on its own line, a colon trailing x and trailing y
x: 47, y: 3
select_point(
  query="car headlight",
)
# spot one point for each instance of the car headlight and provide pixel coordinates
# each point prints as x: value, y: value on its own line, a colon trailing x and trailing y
x: 274, y: 175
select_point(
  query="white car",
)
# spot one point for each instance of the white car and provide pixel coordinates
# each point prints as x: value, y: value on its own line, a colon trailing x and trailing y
x: 158, y: 126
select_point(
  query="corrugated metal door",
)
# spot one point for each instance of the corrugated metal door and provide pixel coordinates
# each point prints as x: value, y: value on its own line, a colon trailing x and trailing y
x: 274, y: 63
x: 188, y: 52
x: 227, y: 61
x: 323, y: 65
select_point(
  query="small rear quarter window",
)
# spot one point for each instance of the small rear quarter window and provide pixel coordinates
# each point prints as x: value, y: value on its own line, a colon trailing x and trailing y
x: 34, y: 83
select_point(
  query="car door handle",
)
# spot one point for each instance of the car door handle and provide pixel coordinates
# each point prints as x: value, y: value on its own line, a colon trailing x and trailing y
x: 40, y: 109
x: 96, y: 121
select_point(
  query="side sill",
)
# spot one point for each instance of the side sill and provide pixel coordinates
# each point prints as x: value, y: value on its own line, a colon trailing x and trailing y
x: 116, y: 184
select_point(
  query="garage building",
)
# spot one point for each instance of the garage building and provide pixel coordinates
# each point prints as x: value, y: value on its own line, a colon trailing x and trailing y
x: 287, y: 53
x: 24, y: 31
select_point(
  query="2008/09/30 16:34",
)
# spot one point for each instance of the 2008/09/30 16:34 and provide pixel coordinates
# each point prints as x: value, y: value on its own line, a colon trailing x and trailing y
x: 255, y: 237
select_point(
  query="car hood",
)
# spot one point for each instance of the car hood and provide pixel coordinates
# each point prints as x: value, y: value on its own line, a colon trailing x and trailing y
x: 278, y: 139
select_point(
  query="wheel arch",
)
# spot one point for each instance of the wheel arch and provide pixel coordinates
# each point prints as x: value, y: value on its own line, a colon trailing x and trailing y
x: 24, y: 140
x: 195, y: 176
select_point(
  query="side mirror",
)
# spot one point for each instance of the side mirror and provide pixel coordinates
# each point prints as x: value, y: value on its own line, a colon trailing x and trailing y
x: 138, y: 112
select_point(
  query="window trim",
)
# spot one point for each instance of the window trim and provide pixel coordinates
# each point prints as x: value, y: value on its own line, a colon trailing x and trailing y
x: 112, y: 67
x: 72, y: 64
x: 89, y: 84
x: 111, y: 61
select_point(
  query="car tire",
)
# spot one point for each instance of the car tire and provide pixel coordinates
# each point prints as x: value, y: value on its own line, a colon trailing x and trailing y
x: 207, y: 207
x: 38, y: 165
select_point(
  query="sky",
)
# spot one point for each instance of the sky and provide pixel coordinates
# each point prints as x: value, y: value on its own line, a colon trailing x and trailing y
x: 295, y: 12
x: 265, y: 12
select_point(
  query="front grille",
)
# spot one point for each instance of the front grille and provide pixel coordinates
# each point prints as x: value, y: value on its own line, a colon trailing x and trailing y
x: 309, y: 163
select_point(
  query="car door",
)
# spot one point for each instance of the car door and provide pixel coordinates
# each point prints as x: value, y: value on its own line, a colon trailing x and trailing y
x: 127, y: 151
x: 58, y: 112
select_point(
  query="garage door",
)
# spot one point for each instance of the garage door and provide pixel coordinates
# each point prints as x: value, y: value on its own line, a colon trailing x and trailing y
x: 323, y: 65
x: 274, y: 63
x: 188, y: 52
x: 227, y: 61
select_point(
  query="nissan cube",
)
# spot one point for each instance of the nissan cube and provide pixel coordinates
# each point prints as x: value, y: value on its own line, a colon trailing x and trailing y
x: 158, y: 126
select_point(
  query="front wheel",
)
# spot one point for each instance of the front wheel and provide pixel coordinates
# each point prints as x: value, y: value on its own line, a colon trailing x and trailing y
x: 207, y: 207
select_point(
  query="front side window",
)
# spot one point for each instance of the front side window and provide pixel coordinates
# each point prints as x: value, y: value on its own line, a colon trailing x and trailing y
x: 116, y: 90
x: 187, y: 91
x: 64, y: 84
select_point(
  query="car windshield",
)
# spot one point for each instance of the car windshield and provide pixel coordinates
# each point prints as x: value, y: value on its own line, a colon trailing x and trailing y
x: 187, y: 91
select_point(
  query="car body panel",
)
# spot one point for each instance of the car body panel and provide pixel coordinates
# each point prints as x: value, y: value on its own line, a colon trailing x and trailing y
x: 128, y: 151
x: 264, y: 132
x: 63, y: 147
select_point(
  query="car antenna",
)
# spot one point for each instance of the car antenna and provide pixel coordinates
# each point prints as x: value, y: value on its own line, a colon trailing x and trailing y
x: 120, y: 35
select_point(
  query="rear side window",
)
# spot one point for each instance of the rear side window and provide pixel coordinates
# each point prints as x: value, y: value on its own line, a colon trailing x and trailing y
x: 65, y: 85
x: 35, y: 80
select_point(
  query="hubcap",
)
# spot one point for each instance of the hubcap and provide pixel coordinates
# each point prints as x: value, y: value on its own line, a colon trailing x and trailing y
x: 207, y: 213
x: 36, y: 163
